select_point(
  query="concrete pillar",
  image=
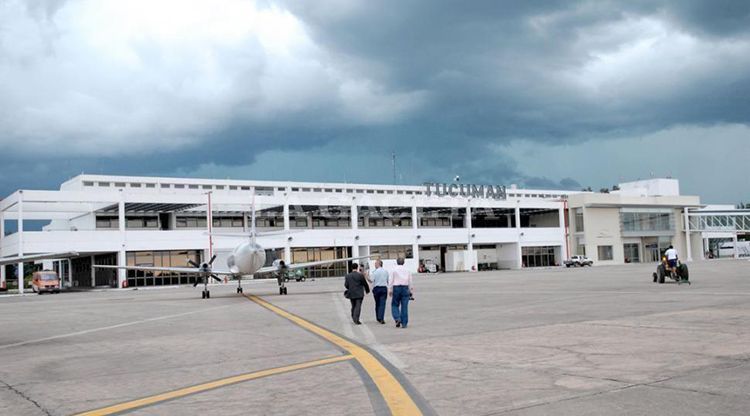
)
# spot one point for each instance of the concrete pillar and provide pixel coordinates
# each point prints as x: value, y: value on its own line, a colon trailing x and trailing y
x: 121, y: 258
x: 3, y: 283
x: 121, y: 274
x: 736, y: 249
x: 70, y: 273
x: 705, y: 247
x: 415, y: 228
x: 688, y: 245
x: 519, y: 251
x: 563, y: 231
x: 93, y: 272
x: 355, y: 216
x: 414, y: 219
x: 470, y: 243
x: 288, y: 243
x: 20, y: 242
x: 355, y: 227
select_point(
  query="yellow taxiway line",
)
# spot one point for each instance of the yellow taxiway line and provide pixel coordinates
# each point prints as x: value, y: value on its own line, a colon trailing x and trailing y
x: 398, y: 400
x: 175, y: 394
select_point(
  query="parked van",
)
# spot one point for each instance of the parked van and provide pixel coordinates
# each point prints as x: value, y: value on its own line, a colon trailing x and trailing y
x: 45, y: 281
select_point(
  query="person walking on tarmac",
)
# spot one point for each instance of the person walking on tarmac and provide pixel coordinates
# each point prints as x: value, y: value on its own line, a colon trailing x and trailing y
x: 379, y: 280
x: 400, y: 289
x: 356, y: 287
x: 281, y: 276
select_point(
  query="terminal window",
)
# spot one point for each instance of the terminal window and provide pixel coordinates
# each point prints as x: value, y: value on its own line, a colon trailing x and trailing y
x: 191, y: 222
x: 392, y: 252
x: 605, y: 252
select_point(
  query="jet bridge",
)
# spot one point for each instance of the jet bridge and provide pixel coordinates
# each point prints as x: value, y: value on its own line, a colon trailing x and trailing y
x: 717, y: 225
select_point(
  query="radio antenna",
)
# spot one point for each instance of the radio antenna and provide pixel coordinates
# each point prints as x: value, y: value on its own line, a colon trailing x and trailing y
x: 393, y: 162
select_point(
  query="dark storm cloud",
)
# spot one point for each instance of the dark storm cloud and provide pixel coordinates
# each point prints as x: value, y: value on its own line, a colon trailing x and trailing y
x: 491, y: 67
x: 444, y: 83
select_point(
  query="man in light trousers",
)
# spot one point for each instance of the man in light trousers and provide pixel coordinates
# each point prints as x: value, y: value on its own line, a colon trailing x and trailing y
x: 400, y: 289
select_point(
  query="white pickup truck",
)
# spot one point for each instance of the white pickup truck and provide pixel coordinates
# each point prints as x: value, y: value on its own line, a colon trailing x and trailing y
x: 578, y: 261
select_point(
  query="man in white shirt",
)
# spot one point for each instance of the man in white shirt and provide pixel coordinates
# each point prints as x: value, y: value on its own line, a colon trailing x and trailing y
x: 400, y: 289
x: 671, y: 254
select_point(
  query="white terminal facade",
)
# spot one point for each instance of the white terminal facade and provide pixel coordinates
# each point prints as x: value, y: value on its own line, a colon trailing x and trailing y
x: 163, y: 221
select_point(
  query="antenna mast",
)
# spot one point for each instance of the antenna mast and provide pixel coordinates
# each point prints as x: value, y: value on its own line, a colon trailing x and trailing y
x: 393, y: 161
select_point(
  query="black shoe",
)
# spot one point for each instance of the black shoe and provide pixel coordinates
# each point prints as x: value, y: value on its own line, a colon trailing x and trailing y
x: 382, y: 322
x: 357, y: 323
x: 398, y: 324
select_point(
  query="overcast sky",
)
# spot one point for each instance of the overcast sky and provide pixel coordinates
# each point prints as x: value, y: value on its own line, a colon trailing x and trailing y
x: 551, y: 94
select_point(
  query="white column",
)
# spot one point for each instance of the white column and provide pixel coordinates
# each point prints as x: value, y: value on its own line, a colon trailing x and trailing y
x: 470, y: 244
x: 519, y: 251
x: 355, y: 227
x: 736, y: 249
x: 2, y: 235
x: 563, y: 231
x: 93, y: 273
x: 288, y: 243
x: 70, y: 273
x: 20, y: 241
x: 688, y: 249
x: 121, y: 257
x: 414, y: 219
x: 415, y: 228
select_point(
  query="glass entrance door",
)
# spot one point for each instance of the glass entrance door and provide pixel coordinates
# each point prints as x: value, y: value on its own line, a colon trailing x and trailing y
x: 632, y: 253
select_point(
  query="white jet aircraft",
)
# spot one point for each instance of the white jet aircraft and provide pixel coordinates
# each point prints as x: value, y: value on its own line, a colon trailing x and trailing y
x: 246, y: 259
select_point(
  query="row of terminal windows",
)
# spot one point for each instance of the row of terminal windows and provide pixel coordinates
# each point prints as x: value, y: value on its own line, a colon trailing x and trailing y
x: 268, y: 190
x: 392, y: 252
x: 259, y: 189
x: 437, y: 220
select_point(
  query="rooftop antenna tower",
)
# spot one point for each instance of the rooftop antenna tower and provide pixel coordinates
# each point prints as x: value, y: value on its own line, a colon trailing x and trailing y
x: 393, y: 162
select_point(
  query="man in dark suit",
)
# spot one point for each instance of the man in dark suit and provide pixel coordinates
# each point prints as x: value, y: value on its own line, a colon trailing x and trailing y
x: 356, y: 288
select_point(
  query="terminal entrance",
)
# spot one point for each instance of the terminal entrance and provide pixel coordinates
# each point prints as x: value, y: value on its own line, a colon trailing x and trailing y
x: 541, y: 256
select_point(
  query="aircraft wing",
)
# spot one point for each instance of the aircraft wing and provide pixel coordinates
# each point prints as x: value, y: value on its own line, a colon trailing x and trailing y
x: 165, y: 269
x: 35, y: 257
x: 294, y: 266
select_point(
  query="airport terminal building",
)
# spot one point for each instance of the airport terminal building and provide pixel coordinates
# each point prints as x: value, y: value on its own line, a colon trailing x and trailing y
x: 160, y: 221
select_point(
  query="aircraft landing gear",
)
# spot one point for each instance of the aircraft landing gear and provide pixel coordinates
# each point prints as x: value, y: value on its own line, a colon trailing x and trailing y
x: 239, y: 290
x: 282, y: 290
x: 206, y: 294
x: 239, y: 286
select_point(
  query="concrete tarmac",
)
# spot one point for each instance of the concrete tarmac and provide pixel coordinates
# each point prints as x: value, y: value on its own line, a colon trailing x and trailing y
x: 601, y: 340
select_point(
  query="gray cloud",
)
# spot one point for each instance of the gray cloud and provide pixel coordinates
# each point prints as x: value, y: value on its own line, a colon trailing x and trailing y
x: 446, y: 84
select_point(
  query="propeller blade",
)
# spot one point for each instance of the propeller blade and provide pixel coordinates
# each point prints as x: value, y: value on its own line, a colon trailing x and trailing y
x: 194, y: 264
x: 197, y: 281
x: 212, y: 260
x: 216, y: 278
